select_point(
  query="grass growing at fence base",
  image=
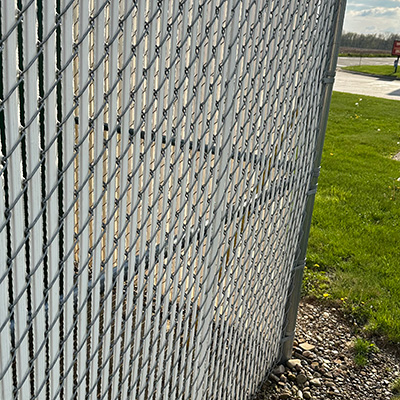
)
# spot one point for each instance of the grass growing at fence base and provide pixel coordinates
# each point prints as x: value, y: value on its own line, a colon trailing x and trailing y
x: 396, y: 386
x: 383, y: 70
x: 355, y: 234
x: 362, y: 351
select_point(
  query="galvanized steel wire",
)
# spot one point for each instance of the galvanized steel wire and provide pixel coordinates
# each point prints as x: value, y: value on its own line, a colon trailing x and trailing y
x: 155, y: 163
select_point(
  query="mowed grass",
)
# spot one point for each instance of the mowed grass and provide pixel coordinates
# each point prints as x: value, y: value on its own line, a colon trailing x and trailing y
x: 355, y: 234
x: 383, y: 70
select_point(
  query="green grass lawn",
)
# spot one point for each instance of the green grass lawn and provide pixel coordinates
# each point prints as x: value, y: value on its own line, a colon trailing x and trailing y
x: 354, y: 245
x: 384, y: 70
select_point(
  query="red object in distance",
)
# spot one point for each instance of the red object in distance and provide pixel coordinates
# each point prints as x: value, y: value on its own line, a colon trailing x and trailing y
x: 396, y: 48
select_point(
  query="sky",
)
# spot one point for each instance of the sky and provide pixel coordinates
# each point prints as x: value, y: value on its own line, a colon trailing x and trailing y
x: 372, y: 16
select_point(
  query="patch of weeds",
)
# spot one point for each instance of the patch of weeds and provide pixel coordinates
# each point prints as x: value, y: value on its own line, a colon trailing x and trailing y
x: 357, y: 310
x: 362, y: 350
x: 315, y: 282
x: 395, y: 387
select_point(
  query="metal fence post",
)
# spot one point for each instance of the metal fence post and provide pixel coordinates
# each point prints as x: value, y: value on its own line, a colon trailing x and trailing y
x: 300, y: 259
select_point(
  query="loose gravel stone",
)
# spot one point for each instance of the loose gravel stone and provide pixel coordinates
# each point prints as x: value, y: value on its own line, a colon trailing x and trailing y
x: 273, y: 377
x: 308, y: 354
x: 323, y: 368
x: 316, y: 382
x: 292, y: 363
x: 279, y: 370
x: 307, y: 346
x: 291, y: 376
x: 301, y: 379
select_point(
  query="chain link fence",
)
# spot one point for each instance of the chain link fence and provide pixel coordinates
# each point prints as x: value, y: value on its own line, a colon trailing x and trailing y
x: 156, y: 158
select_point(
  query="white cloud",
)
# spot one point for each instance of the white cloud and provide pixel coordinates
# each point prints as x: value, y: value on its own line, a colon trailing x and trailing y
x: 373, y: 19
x: 372, y: 3
x: 375, y: 12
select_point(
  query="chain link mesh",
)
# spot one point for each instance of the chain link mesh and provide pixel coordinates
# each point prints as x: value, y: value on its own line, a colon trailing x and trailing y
x: 155, y: 163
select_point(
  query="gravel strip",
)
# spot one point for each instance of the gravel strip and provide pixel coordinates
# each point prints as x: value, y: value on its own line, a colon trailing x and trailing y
x: 322, y: 365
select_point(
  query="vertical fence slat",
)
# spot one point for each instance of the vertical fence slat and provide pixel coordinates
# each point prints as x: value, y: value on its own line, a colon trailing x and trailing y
x: 112, y: 190
x: 155, y: 262
x: 241, y: 172
x: 83, y: 194
x: 161, y: 171
x: 98, y: 196
x: 166, y: 239
x: 224, y: 385
x: 169, y: 209
x: 125, y: 54
x: 202, y: 215
x: 148, y: 188
x: 68, y: 137
x: 189, y: 159
x: 6, y: 384
x: 198, y: 46
x: 51, y: 172
x: 14, y: 153
x: 34, y: 195
x: 137, y: 285
x: 218, y: 189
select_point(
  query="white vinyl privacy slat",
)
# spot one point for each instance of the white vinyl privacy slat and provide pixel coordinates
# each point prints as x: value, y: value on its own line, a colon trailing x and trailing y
x: 34, y: 195
x: 205, y: 216
x: 147, y: 192
x: 19, y: 296
x: 98, y: 194
x: 234, y: 30
x: 51, y: 193
x: 165, y: 85
x: 132, y: 211
x: 219, y: 349
x: 223, y: 126
x: 180, y: 184
x: 123, y: 198
x: 198, y: 49
x: 6, y: 385
x: 156, y: 159
x: 189, y: 159
x: 82, y: 274
x: 201, y: 216
x: 157, y: 254
x: 155, y: 261
x: 135, y: 292
x: 67, y: 127
x: 112, y: 31
x: 239, y: 220
x: 169, y: 207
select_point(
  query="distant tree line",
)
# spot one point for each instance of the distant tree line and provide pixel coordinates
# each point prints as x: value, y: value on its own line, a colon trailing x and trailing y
x: 377, y: 41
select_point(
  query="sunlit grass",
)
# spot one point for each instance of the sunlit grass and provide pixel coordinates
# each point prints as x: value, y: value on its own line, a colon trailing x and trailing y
x: 362, y: 351
x: 384, y: 70
x: 355, y: 234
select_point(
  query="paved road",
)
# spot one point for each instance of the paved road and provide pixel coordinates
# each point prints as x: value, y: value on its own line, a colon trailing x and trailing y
x: 349, y: 61
x: 366, y: 85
